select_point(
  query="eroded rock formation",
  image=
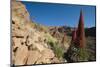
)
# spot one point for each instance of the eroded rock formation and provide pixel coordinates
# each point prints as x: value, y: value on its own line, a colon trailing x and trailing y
x: 28, y: 44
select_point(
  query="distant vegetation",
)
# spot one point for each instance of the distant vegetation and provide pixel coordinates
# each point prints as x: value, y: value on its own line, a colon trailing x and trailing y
x: 90, y: 31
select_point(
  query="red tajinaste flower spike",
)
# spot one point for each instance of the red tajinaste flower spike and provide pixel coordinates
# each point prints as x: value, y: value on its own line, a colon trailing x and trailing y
x: 80, y: 32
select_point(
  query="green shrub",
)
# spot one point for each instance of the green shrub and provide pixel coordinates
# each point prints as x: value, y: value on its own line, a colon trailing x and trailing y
x: 83, y: 54
x: 49, y: 38
x: 52, y: 42
x: 57, y: 50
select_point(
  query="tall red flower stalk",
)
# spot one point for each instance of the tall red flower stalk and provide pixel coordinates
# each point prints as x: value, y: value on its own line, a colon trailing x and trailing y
x: 74, y: 35
x: 78, y: 36
x: 80, y: 31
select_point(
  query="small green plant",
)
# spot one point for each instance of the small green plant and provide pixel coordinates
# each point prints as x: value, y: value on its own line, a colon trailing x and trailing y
x: 52, y: 42
x: 49, y: 38
x: 83, y: 54
x: 57, y: 50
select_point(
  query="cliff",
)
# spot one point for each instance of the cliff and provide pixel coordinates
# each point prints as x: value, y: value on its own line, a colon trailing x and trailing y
x: 29, y: 45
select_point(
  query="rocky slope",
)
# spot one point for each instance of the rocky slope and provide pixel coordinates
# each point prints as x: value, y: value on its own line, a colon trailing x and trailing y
x: 29, y: 46
x: 33, y: 43
x: 61, y: 33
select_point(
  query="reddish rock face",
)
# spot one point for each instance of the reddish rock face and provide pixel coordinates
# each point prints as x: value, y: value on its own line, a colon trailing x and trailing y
x: 78, y: 36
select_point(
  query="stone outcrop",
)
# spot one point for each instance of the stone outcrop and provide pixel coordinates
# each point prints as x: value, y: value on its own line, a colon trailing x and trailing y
x: 28, y: 44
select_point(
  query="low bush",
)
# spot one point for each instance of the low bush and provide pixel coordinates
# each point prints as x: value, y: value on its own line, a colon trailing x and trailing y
x: 83, y: 54
x: 52, y: 42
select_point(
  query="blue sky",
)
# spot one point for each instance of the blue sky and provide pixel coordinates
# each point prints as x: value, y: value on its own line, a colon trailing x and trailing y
x: 60, y: 14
